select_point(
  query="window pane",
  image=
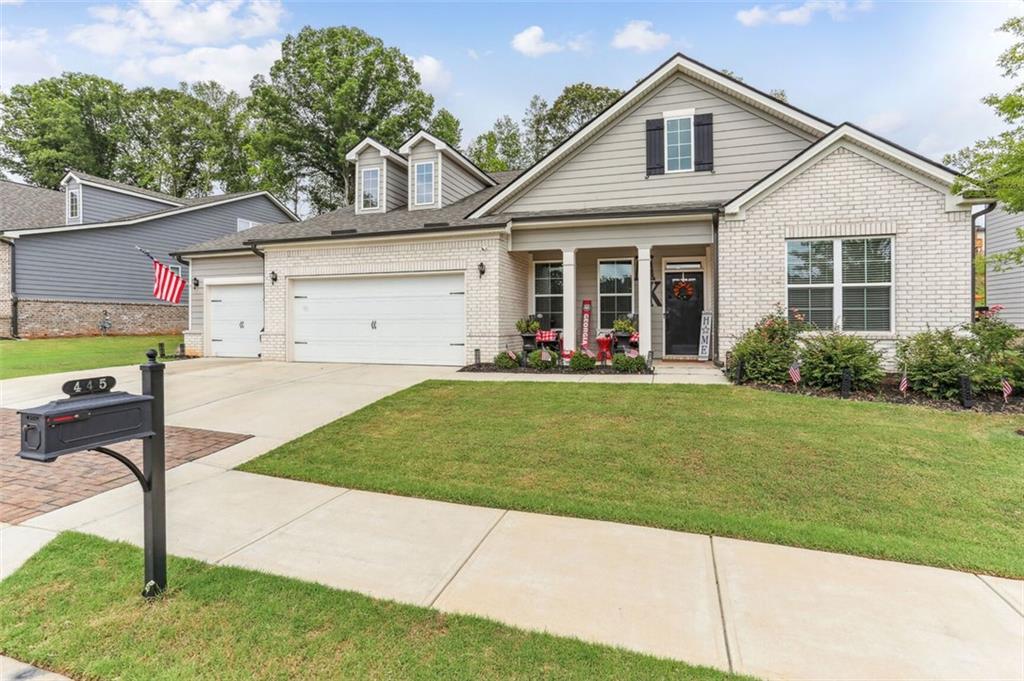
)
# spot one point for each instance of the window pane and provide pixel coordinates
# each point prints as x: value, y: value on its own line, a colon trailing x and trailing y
x: 371, y: 188
x: 809, y: 262
x: 616, y: 277
x: 678, y: 144
x: 867, y: 261
x: 866, y: 308
x: 425, y: 183
x: 814, y: 305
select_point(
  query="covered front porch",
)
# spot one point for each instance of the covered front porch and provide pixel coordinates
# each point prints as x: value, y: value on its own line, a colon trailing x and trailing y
x: 659, y: 273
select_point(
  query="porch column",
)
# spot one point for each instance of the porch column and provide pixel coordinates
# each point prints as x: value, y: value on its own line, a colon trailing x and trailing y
x: 643, y: 300
x: 569, y: 299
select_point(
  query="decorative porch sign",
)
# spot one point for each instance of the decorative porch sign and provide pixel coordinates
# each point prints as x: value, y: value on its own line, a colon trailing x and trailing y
x: 704, y: 345
x: 585, y: 326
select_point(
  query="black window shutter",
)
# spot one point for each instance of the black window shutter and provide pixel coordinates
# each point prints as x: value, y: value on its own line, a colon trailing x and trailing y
x: 656, y: 146
x: 703, y: 140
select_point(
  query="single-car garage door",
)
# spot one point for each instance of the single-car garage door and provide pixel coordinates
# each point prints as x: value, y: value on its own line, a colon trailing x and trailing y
x: 236, y: 319
x: 418, y: 319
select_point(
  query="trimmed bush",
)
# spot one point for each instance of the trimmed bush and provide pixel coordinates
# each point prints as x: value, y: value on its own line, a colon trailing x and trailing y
x: 503, y: 361
x: 934, y: 361
x: 629, y: 365
x: 997, y: 349
x: 538, y: 363
x: 581, y: 362
x: 824, y: 356
x: 767, y: 350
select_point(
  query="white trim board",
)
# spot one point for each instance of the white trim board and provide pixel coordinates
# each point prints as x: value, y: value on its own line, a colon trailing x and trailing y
x: 353, y: 153
x: 443, y: 147
x: 119, y: 190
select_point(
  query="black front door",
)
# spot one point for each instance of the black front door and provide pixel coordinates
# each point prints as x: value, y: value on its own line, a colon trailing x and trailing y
x: 684, y: 303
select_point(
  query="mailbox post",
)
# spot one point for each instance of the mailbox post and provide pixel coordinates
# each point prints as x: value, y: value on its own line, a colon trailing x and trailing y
x: 93, y: 417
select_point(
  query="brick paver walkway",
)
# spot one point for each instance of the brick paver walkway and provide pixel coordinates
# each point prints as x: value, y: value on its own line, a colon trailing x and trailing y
x: 29, y: 488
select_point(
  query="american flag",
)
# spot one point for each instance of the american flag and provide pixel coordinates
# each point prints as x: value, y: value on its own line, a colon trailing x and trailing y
x: 545, y: 355
x: 904, y: 384
x: 794, y: 372
x: 1007, y: 390
x: 167, y: 285
x: 511, y: 355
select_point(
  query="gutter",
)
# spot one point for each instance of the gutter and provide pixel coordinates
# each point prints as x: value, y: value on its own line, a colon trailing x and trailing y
x: 343, y: 235
x: 974, y: 235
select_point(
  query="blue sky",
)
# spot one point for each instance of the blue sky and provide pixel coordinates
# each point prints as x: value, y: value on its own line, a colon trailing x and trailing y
x: 912, y: 71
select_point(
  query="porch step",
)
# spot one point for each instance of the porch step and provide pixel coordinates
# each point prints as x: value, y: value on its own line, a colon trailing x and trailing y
x: 698, y: 372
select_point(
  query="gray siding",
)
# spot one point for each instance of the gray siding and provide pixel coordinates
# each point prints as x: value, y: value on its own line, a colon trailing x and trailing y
x: 424, y: 151
x: 398, y: 186
x: 1004, y: 288
x: 611, y: 170
x: 102, y: 263
x: 249, y: 265
x: 100, y: 205
x: 456, y: 183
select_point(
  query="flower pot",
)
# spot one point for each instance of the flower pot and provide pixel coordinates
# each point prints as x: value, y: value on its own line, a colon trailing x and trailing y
x: 529, y: 341
x: 622, y: 341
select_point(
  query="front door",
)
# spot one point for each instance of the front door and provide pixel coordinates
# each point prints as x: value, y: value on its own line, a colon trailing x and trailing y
x: 684, y: 303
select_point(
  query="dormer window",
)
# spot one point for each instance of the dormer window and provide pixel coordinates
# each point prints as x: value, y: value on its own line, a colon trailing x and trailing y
x: 74, y: 204
x: 678, y: 142
x: 371, y: 189
x: 424, y: 174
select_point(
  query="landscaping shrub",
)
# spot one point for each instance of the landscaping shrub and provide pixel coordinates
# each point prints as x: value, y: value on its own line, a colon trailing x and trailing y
x: 934, y: 361
x: 503, y: 361
x: 629, y: 365
x: 997, y: 350
x: 823, y: 356
x: 537, y: 362
x: 767, y: 350
x: 581, y: 362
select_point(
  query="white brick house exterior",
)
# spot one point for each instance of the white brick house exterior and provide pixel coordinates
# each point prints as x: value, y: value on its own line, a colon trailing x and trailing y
x: 680, y: 204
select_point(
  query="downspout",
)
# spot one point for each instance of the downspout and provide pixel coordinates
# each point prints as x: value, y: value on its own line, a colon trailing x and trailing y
x: 718, y: 277
x: 262, y: 256
x: 14, y: 294
x: 974, y: 236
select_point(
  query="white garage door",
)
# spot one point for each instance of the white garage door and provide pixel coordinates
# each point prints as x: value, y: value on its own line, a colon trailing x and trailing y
x: 236, y: 319
x: 417, y: 319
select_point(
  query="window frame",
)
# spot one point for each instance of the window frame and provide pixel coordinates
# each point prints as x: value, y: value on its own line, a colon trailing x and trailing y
x: 533, y: 288
x: 632, y: 285
x: 416, y: 183
x: 249, y: 224
x: 77, y: 193
x: 678, y: 116
x: 838, y: 284
x: 362, y: 189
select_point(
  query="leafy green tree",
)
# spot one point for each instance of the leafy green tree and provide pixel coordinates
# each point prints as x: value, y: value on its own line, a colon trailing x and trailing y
x: 576, y: 106
x: 74, y: 120
x: 500, y: 148
x: 777, y: 93
x: 330, y: 88
x: 994, y: 167
x: 445, y: 126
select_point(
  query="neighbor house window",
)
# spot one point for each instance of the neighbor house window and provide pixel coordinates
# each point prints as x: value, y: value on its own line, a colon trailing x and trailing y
x: 371, y: 188
x: 547, y: 292
x: 615, y: 291
x: 678, y: 144
x: 243, y: 224
x: 856, y: 293
x: 424, y: 174
x: 74, y: 204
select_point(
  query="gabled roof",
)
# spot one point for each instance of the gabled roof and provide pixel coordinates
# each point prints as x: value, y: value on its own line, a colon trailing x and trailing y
x: 897, y: 157
x: 384, y: 150
x: 23, y: 205
x: 678, y: 64
x: 122, y: 188
x: 449, y: 151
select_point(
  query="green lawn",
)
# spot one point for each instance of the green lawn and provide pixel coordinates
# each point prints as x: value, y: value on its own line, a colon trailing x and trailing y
x: 75, y: 608
x: 883, y: 480
x: 53, y: 355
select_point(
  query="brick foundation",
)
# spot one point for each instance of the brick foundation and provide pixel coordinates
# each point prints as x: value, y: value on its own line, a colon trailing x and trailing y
x: 53, y: 318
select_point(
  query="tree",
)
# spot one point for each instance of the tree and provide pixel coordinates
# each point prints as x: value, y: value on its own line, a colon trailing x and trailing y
x: 777, y: 93
x: 330, y: 88
x: 445, y: 126
x: 500, y: 148
x: 74, y: 120
x: 994, y: 167
x: 574, y: 107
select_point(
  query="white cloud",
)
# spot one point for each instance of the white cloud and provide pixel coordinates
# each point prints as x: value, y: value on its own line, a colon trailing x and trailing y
x: 800, y: 15
x: 233, y: 67
x: 26, y: 57
x: 639, y: 35
x: 530, y: 41
x: 433, y: 74
x: 472, y: 54
x: 580, y: 43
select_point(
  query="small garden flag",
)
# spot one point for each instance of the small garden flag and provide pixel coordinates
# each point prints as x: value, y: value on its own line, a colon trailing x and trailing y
x: 545, y: 355
x: 167, y: 285
x: 904, y: 383
x: 588, y: 352
x: 794, y: 372
x: 511, y: 355
x: 632, y: 352
x: 1007, y: 390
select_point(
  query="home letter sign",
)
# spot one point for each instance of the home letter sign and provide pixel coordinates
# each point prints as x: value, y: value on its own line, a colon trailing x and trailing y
x: 704, y: 346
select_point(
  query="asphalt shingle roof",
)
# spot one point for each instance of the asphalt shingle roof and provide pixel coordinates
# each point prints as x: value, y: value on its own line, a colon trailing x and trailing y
x: 130, y: 188
x: 24, y: 206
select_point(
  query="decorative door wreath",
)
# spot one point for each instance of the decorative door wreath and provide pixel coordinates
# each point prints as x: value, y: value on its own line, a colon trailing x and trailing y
x: 683, y: 288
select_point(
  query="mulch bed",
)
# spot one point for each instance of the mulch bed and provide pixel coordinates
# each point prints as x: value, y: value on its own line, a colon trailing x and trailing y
x: 490, y: 368
x: 889, y: 391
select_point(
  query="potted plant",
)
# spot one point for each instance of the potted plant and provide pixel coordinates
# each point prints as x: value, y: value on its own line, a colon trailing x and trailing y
x: 528, y: 328
x: 623, y: 329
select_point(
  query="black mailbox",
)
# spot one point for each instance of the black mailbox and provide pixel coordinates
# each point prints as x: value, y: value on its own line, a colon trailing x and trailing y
x: 80, y: 423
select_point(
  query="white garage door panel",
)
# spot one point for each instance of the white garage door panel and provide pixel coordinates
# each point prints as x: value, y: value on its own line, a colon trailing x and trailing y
x: 386, y: 320
x: 236, y: 318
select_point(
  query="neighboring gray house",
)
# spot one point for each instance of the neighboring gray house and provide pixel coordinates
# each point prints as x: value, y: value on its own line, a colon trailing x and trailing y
x: 1005, y: 287
x: 693, y: 193
x: 68, y: 259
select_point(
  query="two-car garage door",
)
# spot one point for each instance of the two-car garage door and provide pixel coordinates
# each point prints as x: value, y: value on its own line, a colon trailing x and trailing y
x: 404, y: 319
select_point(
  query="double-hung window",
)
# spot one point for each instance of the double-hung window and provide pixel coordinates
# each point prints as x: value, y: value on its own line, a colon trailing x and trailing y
x: 370, y: 197
x: 841, y: 282
x: 74, y: 204
x: 424, y: 190
x: 678, y: 143
x: 547, y: 292
x: 615, y: 291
